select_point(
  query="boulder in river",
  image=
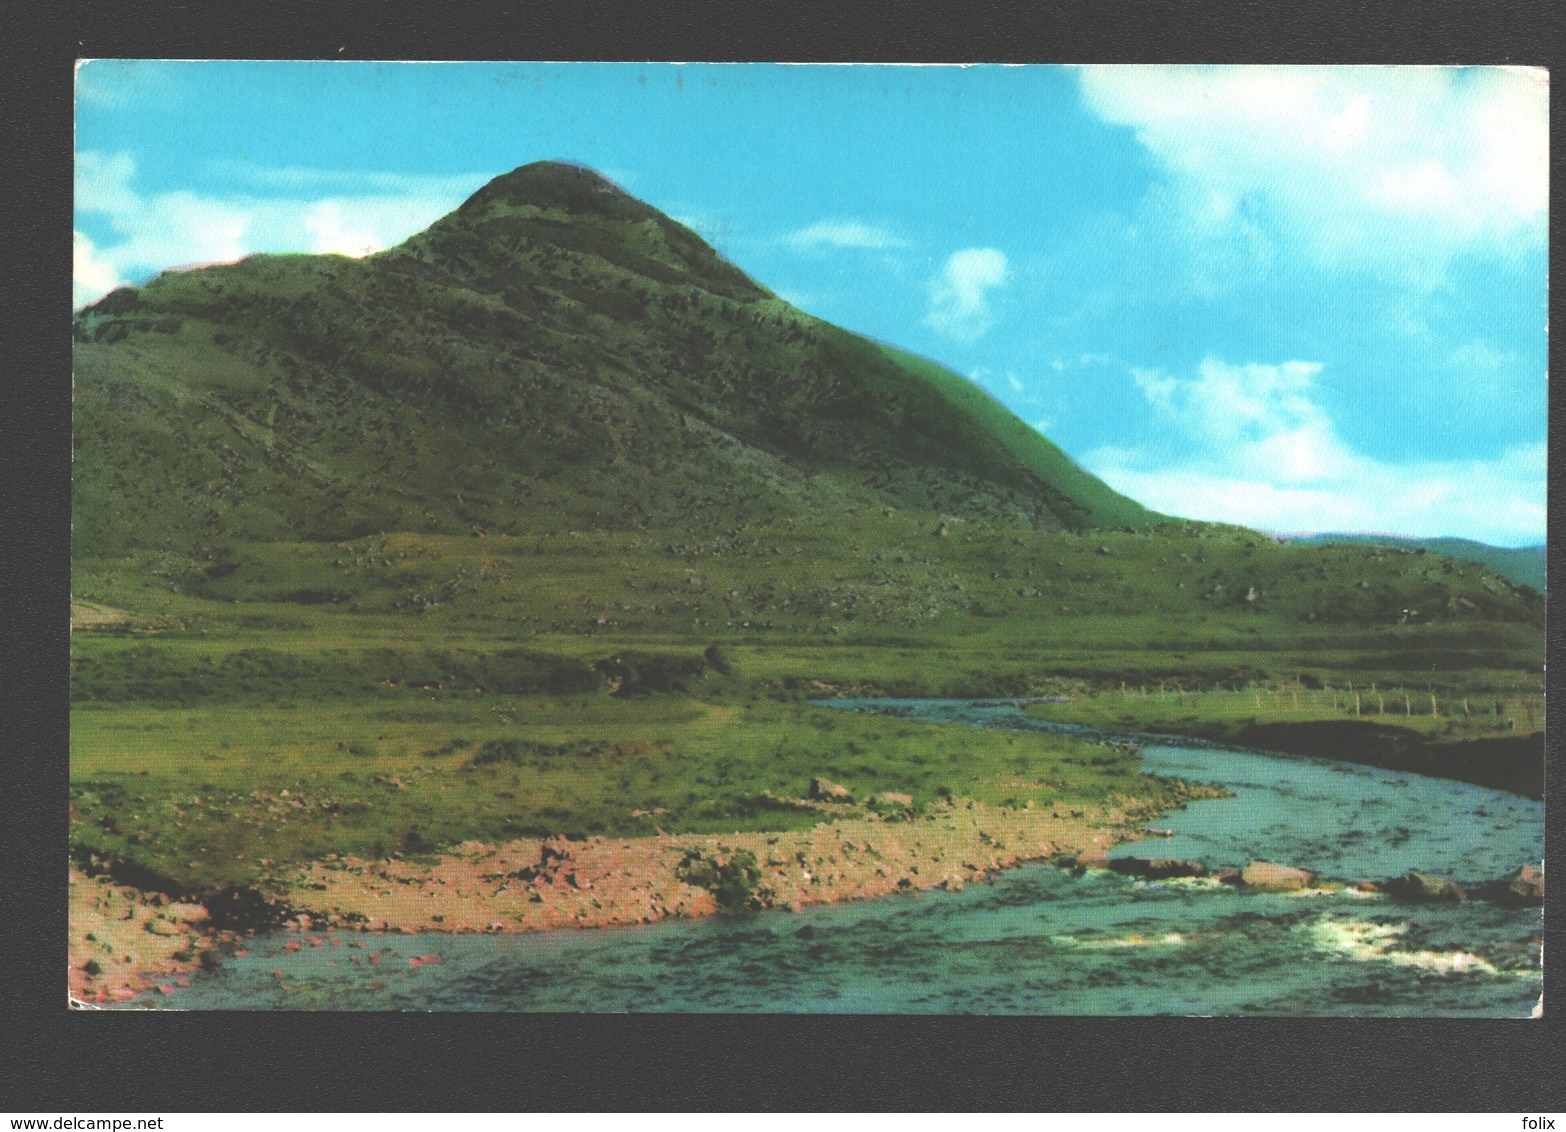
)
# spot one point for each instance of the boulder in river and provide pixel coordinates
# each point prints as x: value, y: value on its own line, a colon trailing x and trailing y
x: 1264, y: 876
x: 825, y: 790
x: 1420, y: 887
x: 1523, y: 889
x: 1157, y: 868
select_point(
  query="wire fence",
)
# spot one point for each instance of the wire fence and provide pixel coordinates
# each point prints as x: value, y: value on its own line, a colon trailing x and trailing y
x: 1510, y: 711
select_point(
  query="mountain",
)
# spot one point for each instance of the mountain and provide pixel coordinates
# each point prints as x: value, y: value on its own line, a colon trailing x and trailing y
x: 554, y: 354
x: 1524, y: 565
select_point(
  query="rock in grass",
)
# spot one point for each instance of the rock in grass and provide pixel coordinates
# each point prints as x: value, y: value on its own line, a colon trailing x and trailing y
x: 1264, y: 876
x: 825, y: 790
x: 1422, y: 888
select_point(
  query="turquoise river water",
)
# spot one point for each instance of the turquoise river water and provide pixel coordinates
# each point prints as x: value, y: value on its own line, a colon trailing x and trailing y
x: 1035, y: 940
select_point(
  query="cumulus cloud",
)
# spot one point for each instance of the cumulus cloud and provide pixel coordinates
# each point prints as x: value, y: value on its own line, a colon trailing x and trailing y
x: 304, y: 181
x: 92, y: 277
x: 960, y: 294
x: 1364, y: 166
x: 157, y: 231
x: 843, y: 234
x: 1252, y: 444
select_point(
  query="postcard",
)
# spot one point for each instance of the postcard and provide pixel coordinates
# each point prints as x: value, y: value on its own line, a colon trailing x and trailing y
x: 753, y: 538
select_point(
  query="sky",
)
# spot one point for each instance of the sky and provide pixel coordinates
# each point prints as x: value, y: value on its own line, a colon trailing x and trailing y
x: 1300, y: 299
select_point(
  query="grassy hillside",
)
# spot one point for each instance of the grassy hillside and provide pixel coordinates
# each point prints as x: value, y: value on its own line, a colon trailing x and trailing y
x: 553, y: 355
x: 1100, y: 505
x: 1524, y: 565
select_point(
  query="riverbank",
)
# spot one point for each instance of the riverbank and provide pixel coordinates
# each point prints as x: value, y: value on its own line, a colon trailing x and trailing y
x: 125, y: 941
x: 1510, y: 761
x: 523, y: 886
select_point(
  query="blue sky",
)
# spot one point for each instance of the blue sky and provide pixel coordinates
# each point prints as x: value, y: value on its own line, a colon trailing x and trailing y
x: 1298, y: 299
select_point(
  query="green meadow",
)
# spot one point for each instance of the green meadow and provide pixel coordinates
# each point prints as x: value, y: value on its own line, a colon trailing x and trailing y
x: 241, y: 712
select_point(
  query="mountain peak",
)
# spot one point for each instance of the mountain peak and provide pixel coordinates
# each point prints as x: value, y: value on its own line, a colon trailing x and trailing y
x: 561, y: 185
x: 571, y: 209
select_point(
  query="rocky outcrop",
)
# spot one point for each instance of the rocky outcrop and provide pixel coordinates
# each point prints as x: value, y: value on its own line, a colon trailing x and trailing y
x: 1417, y: 887
x: 1264, y: 876
x: 1523, y: 889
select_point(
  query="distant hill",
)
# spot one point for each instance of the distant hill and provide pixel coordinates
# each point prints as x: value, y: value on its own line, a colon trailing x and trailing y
x: 554, y: 354
x: 1523, y: 565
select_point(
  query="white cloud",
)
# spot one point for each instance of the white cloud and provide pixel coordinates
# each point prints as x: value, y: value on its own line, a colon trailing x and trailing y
x: 1252, y: 445
x: 1479, y: 356
x: 363, y: 225
x: 843, y: 234
x: 331, y: 231
x: 92, y: 278
x: 959, y: 295
x: 302, y: 180
x: 158, y: 231
x: 1378, y: 166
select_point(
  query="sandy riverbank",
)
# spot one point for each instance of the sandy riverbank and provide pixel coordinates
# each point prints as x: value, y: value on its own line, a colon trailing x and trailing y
x: 603, y: 882
x: 124, y: 941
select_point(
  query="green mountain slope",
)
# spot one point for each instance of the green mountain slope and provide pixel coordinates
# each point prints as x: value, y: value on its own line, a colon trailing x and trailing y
x: 1104, y: 506
x: 553, y: 355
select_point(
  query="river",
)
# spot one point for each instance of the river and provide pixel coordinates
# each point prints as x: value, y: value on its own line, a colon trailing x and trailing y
x: 1035, y: 940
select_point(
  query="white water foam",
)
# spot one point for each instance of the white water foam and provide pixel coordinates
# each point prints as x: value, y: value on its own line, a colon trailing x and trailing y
x: 1368, y: 942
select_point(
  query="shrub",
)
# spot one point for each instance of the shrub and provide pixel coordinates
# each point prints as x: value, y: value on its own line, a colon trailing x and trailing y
x: 733, y: 881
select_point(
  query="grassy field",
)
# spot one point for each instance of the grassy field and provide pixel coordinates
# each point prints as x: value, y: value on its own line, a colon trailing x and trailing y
x: 194, y: 799
x: 239, y: 714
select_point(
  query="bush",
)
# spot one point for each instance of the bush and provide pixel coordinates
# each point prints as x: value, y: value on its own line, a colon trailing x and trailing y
x: 733, y: 881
